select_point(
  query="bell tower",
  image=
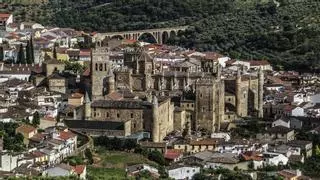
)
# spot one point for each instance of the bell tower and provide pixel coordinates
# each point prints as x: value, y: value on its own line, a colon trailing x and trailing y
x: 99, y: 72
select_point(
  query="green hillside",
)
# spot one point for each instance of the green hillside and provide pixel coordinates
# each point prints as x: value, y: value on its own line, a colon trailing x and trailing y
x: 286, y: 32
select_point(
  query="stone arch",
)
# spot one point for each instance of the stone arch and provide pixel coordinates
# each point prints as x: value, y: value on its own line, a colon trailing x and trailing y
x: 172, y: 34
x: 165, y: 37
x: 150, y: 34
x: 117, y: 36
x: 179, y: 32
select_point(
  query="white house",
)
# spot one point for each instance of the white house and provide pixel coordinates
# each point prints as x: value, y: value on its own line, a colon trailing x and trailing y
x: 283, y: 121
x: 297, y: 111
x: 274, y: 87
x: 5, y: 19
x: 221, y: 135
x: 274, y: 159
x: 30, y: 25
x: 183, y: 172
x: 263, y: 64
x: 301, y: 97
x: 8, y: 161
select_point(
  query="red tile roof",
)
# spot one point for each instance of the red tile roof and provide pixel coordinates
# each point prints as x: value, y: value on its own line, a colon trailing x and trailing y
x: 259, y: 63
x: 25, y: 129
x: 78, y: 169
x: 251, y: 155
x: 85, y: 52
x: 172, y: 154
x: 38, y: 153
x: 4, y: 15
x: 66, y: 135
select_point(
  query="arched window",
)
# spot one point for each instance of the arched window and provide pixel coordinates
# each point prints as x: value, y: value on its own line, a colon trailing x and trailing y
x: 100, y: 67
x: 105, y: 66
x: 96, y: 67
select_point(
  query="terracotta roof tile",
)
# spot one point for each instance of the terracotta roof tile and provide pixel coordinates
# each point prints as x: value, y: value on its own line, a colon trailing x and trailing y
x: 78, y: 169
x: 66, y: 135
x: 25, y: 129
x: 172, y: 154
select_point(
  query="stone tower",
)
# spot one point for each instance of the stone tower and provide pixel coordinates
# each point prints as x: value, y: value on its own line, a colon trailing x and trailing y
x: 99, y: 72
x: 87, y: 107
x: 260, y: 91
x: 221, y: 104
x: 238, y: 93
x: 156, y: 123
x: 111, y: 83
x: 206, y: 103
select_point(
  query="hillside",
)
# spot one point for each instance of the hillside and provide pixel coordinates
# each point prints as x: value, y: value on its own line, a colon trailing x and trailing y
x: 286, y: 32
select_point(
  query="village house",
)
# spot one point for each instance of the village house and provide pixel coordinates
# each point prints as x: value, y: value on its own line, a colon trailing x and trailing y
x: 178, y: 171
x: 27, y: 131
x: 134, y: 170
x: 278, y: 134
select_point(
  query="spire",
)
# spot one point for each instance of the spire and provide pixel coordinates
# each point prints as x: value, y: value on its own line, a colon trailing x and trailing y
x: 87, y: 98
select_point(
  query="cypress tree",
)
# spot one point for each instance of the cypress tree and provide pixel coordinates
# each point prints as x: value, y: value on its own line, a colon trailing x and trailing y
x: 54, y: 52
x: 21, y: 58
x: 28, y: 55
x: 31, y: 50
x: 1, y: 53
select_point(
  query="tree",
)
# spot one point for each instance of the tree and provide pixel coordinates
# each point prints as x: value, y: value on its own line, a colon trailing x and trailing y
x: 1, y: 53
x: 28, y: 53
x: 88, y: 155
x: 31, y: 50
x: 58, y: 118
x: 54, y: 51
x: 36, y: 118
x: 157, y: 157
x: 21, y: 59
x: 199, y: 176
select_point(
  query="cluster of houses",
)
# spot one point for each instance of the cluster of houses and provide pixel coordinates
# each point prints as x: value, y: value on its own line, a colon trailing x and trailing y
x: 291, y: 103
x: 187, y: 157
x: 45, y: 151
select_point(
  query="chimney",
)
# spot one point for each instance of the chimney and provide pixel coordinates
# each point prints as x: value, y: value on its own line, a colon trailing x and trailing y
x: 20, y: 65
x: 32, y: 64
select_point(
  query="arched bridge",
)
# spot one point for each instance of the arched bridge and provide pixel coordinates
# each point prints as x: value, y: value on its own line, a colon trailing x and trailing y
x: 160, y: 35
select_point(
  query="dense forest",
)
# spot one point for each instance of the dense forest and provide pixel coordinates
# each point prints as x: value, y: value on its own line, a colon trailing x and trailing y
x: 286, y: 32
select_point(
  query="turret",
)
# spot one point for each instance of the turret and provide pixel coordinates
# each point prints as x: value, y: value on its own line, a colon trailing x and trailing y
x: 87, y: 107
x: 261, y: 82
x: 156, y: 123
